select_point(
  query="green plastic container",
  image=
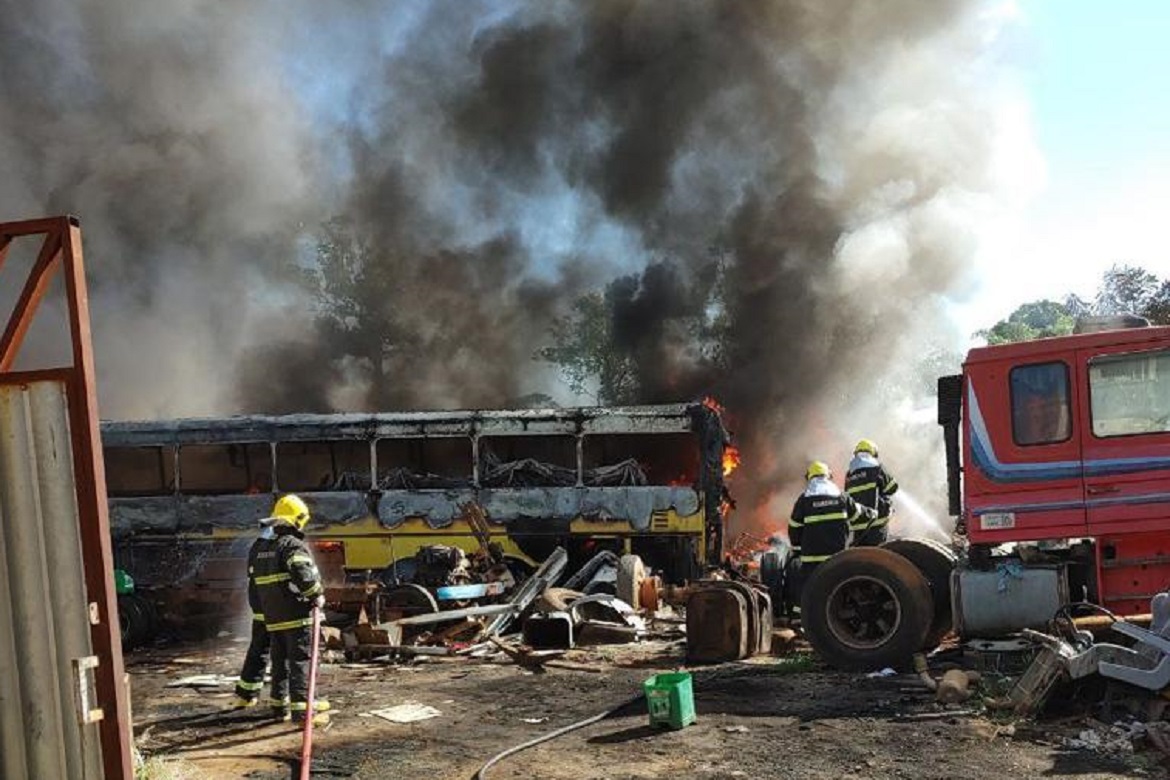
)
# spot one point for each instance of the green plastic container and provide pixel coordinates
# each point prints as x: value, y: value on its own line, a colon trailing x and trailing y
x: 671, y: 699
x: 123, y: 582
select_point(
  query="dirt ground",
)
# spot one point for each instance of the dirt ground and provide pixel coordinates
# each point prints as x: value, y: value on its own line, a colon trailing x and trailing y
x: 767, y: 718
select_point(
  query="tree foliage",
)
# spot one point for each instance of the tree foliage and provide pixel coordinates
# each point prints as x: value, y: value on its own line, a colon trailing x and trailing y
x: 1124, y: 289
x: 1036, y: 320
x: 584, y: 350
x: 614, y: 346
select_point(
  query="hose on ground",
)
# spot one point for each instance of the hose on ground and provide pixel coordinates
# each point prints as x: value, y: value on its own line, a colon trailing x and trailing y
x: 482, y: 773
x: 729, y: 671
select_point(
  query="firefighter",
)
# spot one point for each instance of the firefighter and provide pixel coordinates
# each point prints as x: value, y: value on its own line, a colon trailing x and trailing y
x: 251, y: 680
x: 819, y: 526
x: 288, y: 587
x: 869, y: 484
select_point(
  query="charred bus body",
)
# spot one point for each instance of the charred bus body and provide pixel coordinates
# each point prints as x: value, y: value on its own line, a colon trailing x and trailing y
x: 1058, y: 464
x: 186, y: 495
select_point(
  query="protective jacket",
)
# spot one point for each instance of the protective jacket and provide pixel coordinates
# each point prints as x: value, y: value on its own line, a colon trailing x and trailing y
x: 820, y: 522
x: 283, y: 580
x: 869, y: 484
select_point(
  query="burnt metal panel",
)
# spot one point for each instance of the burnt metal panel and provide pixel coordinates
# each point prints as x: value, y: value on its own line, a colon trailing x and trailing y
x: 636, y: 505
x: 43, y: 584
x: 145, y: 515
x: 665, y: 418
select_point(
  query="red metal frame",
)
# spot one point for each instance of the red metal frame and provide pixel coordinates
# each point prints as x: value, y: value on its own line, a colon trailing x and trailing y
x: 61, y: 249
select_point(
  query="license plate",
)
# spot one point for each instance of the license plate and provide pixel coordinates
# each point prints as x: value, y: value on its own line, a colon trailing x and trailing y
x: 993, y: 521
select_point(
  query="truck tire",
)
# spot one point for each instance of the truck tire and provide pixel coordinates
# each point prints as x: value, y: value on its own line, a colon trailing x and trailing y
x: 772, y: 577
x: 936, y: 562
x: 631, y: 572
x: 134, y: 621
x: 866, y: 608
x: 772, y: 570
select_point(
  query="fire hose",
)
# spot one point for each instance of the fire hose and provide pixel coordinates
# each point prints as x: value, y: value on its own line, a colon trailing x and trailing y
x: 482, y: 773
x: 311, y: 703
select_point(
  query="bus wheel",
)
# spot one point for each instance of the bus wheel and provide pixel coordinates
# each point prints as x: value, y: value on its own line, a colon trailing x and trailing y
x: 631, y: 572
x: 866, y: 608
x: 409, y: 600
x: 936, y: 562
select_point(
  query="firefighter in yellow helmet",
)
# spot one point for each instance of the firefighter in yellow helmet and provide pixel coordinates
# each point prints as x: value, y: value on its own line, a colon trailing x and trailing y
x: 819, y: 525
x: 869, y: 484
x: 284, y: 582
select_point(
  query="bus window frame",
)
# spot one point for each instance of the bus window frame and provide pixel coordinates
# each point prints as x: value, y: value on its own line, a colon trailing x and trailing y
x: 164, y: 449
x: 179, y: 489
x: 371, y: 456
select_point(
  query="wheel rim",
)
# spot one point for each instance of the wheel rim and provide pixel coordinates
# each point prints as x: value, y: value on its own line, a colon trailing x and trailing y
x: 863, y: 613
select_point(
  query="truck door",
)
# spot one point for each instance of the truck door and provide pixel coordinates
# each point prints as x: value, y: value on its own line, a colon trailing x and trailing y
x: 1024, y: 477
x: 1127, y: 447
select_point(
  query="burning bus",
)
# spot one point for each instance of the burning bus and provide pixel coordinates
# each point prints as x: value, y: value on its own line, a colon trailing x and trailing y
x: 386, y: 490
x: 1058, y: 466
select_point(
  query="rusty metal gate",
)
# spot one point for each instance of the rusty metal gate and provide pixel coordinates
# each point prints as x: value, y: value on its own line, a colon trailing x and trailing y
x: 64, y: 709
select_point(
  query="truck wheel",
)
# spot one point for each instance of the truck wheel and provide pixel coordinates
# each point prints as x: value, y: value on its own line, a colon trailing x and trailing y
x: 866, y: 608
x: 937, y: 563
x: 772, y: 570
x: 631, y: 572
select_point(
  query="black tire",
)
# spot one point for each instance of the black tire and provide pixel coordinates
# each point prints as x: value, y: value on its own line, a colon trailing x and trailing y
x: 411, y: 600
x: 133, y: 621
x: 772, y: 570
x: 772, y: 577
x: 937, y: 563
x: 866, y: 608
x: 124, y: 621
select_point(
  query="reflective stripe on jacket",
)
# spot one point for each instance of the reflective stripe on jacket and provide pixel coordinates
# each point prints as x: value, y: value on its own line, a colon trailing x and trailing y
x: 284, y: 580
x: 820, y: 525
x: 871, y: 486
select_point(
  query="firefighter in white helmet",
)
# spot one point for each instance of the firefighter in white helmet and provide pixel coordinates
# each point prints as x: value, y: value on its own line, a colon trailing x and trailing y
x: 285, y: 583
x: 869, y: 484
x: 819, y: 525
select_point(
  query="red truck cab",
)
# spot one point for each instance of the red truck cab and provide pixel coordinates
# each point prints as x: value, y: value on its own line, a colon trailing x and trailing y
x: 1065, y: 449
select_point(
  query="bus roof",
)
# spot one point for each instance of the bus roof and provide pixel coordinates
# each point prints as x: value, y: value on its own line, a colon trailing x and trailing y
x: 665, y: 418
x: 1124, y: 337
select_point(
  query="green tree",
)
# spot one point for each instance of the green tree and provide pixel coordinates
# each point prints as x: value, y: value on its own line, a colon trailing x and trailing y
x: 584, y: 351
x: 612, y: 346
x: 1036, y: 320
x: 354, y: 293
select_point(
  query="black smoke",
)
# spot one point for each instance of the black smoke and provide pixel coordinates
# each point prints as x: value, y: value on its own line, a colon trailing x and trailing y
x: 470, y: 168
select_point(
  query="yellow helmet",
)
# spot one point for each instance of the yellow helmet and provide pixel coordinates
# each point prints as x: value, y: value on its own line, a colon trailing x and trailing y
x: 818, y: 469
x: 865, y: 445
x: 291, y: 510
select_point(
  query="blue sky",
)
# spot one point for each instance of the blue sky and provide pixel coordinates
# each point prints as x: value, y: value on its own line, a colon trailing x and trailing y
x: 1096, y: 80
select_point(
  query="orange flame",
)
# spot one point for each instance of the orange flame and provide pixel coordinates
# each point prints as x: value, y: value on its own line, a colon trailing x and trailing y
x: 730, y: 459
x: 713, y: 405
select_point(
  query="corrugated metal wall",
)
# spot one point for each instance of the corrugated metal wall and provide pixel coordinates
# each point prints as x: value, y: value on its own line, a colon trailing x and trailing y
x: 44, y: 624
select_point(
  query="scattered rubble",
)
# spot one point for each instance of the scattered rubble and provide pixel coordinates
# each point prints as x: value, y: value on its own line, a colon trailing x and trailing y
x: 407, y: 712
